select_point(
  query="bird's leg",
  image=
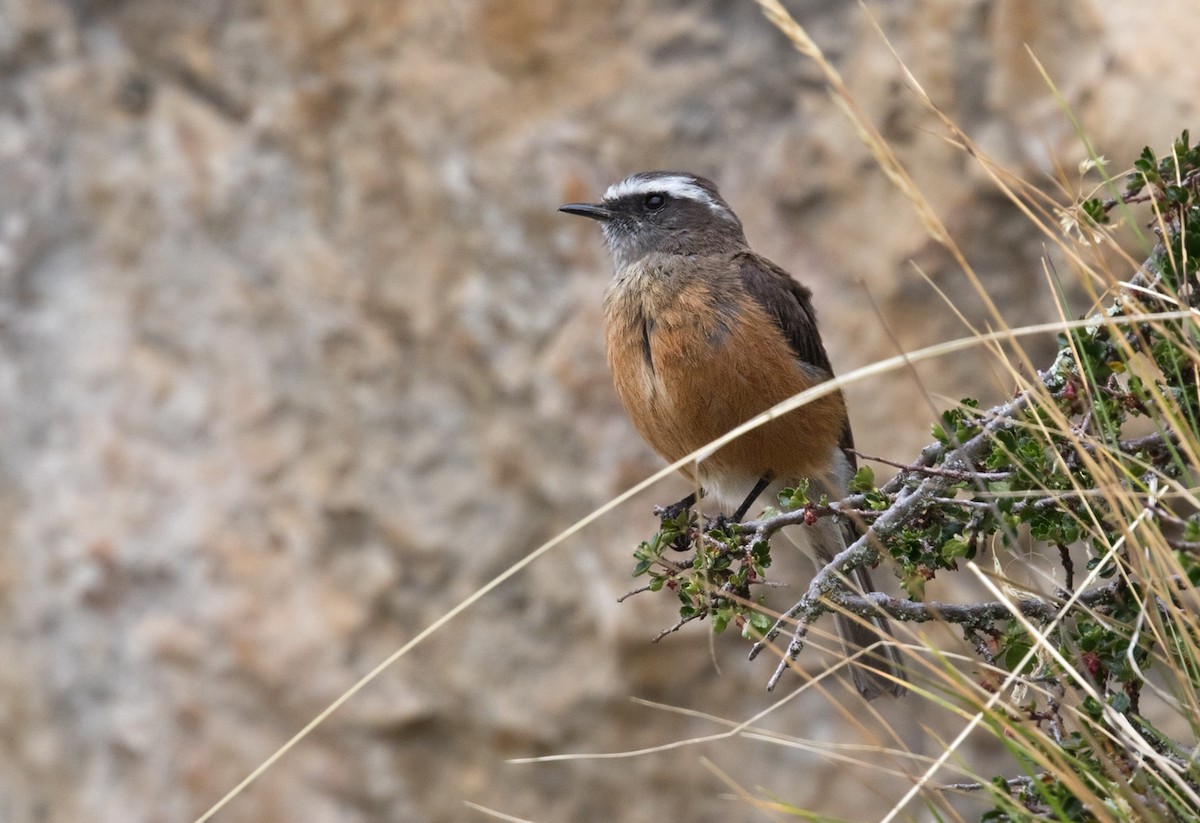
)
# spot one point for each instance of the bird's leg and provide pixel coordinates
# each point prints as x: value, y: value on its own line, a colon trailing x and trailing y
x: 758, y: 489
x: 675, y: 509
x: 683, y: 542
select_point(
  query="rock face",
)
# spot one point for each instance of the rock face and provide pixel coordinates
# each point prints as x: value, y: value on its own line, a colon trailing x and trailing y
x: 295, y: 353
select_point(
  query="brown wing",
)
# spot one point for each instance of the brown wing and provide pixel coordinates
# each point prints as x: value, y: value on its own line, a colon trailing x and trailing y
x: 790, y: 305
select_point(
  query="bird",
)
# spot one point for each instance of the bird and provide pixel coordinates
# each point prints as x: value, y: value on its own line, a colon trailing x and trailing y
x: 702, y: 334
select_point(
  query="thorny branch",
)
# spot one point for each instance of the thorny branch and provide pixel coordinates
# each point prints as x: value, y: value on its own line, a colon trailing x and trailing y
x: 967, y: 614
x: 907, y: 503
x: 932, y: 481
x: 934, y: 471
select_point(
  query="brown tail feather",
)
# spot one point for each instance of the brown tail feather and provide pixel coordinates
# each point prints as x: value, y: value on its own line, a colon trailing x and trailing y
x: 881, y: 670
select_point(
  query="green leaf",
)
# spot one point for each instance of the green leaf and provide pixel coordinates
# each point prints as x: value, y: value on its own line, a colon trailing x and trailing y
x: 864, y: 480
x: 1191, y: 530
x: 757, y: 625
x: 720, y: 620
x: 1015, y: 643
x: 956, y: 546
x: 1183, y: 146
x: 794, y: 498
x: 1177, y: 195
x: 1147, y: 165
x: 1094, y: 209
x: 760, y: 552
x: 914, y: 584
x: 877, y: 501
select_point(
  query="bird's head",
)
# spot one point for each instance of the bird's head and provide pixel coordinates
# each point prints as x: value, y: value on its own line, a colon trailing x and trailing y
x: 667, y: 212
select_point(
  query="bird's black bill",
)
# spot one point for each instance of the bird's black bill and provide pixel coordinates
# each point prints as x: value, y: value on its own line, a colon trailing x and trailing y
x: 587, y: 210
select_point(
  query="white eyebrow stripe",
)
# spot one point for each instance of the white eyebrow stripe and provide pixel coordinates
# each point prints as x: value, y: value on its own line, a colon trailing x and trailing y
x: 673, y: 185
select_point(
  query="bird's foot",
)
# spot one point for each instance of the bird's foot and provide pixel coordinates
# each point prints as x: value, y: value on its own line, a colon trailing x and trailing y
x: 673, y: 511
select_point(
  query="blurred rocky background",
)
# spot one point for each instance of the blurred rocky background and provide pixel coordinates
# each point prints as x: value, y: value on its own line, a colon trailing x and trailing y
x: 295, y: 353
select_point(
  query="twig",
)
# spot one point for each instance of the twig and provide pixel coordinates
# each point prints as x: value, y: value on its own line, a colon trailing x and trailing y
x: 1064, y: 555
x: 1022, y: 782
x: 1189, y: 546
x: 767, y: 526
x: 1153, y: 442
x: 862, y: 552
x: 683, y: 622
x: 964, y: 502
x: 629, y: 594
x: 970, y: 614
x: 979, y: 643
x: 917, y: 468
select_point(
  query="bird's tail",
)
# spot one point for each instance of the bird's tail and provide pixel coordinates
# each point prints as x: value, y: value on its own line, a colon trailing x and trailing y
x: 880, y: 670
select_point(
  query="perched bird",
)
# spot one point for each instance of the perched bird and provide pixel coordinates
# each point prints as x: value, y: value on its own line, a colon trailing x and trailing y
x: 703, y: 334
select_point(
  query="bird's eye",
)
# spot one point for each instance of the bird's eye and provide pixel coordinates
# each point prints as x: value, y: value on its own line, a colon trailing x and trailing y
x: 654, y: 202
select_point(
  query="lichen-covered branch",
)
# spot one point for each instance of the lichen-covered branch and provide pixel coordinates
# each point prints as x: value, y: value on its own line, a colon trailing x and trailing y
x: 907, y: 503
x: 967, y: 614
